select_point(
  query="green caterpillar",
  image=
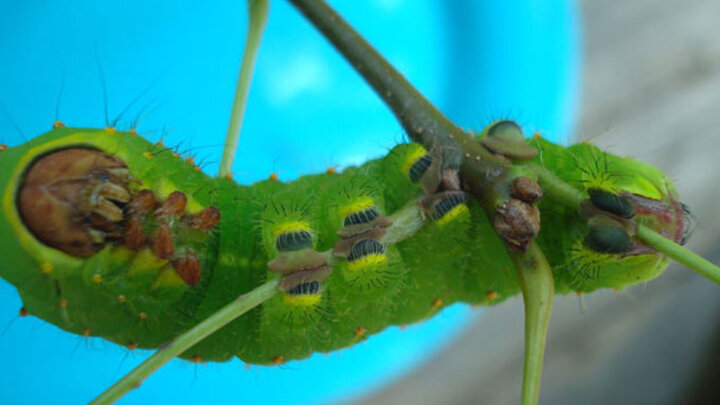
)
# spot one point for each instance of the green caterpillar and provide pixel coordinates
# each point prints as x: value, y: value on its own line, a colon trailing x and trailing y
x: 155, y: 245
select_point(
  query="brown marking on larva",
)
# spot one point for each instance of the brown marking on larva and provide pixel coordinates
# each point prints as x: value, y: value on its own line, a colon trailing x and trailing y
x: 142, y: 316
x: 115, y: 192
x: 86, y: 333
x: 204, y: 220
x: 510, y: 148
x: 273, y: 177
x: 188, y: 268
x: 278, y: 360
x: 297, y: 278
x: 331, y: 170
x: 376, y: 226
x: 58, y: 124
x: 518, y: 223
x: 173, y: 206
x: 289, y: 263
x: 23, y: 312
x: 437, y: 302
x: 134, y: 232
x: 97, y: 279
x: 343, y: 247
x: 131, y: 346
x: 526, y: 189
x: 143, y: 202
x: 121, y: 298
x: 492, y: 295
x: 162, y: 245
x: 196, y: 359
x: 63, y: 202
x: 64, y: 303
x: 360, y: 332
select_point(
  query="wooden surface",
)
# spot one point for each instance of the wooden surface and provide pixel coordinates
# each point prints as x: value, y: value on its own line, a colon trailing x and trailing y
x: 651, y: 89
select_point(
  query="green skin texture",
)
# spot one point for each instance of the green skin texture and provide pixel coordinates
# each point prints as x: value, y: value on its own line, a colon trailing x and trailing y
x: 462, y: 261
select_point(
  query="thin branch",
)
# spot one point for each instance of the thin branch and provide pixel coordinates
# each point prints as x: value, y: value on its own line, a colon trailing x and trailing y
x: 422, y: 121
x: 258, y: 10
x: 679, y: 253
x: 538, y: 289
x: 182, y: 343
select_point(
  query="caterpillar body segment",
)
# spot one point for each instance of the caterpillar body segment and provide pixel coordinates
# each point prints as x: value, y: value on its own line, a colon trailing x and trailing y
x: 189, y: 244
x: 581, y: 260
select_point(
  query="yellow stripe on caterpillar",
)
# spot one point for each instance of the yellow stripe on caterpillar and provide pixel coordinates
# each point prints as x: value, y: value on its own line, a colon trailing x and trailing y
x: 451, y: 215
x: 293, y: 226
x: 415, y: 154
x: 367, y: 261
x: 302, y: 300
x: 361, y: 204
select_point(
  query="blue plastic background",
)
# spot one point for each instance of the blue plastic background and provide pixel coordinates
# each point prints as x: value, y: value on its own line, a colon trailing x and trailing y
x: 477, y: 60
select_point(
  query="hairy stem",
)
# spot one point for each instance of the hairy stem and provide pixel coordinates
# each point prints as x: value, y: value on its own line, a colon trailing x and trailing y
x: 538, y: 289
x: 180, y: 344
x: 258, y: 10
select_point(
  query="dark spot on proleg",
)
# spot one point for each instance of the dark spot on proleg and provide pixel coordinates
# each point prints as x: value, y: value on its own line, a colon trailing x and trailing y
x: 607, y: 239
x: 365, y: 247
x: 361, y: 217
x: 611, y: 203
x: 292, y: 241
x: 308, y: 288
x: 419, y: 168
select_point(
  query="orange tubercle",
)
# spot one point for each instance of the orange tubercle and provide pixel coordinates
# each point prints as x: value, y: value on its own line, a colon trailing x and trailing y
x: 58, y: 124
x: 277, y: 360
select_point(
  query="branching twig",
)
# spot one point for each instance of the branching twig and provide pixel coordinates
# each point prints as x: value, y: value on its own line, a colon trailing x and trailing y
x: 258, y: 10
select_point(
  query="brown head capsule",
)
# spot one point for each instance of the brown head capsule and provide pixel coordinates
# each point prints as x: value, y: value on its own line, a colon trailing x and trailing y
x: 71, y: 199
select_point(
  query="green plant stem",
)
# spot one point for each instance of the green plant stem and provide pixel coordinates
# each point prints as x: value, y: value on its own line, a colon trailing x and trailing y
x: 258, y: 11
x: 678, y: 253
x: 182, y: 343
x: 538, y: 290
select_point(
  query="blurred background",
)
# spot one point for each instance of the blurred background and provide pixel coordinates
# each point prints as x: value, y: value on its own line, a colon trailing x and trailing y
x: 648, y: 82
